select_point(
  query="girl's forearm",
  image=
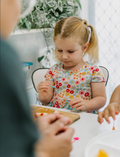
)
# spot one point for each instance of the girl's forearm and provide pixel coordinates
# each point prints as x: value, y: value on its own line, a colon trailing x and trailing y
x: 95, y: 103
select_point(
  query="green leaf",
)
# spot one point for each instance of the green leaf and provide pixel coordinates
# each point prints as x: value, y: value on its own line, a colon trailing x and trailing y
x: 40, y: 58
x: 60, y: 5
x: 28, y: 25
x: 53, y: 24
x: 55, y: 6
x: 56, y: 14
x: 51, y: 4
x: 51, y: 10
x: 78, y: 2
x: 70, y: 3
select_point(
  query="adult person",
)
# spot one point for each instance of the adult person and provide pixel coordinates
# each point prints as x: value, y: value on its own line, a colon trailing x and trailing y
x: 19, y: 135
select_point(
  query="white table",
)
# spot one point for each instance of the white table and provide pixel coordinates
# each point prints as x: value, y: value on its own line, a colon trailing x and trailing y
x: 86, y: 129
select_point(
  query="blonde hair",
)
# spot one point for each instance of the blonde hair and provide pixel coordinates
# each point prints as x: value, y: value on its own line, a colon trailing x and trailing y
x: 75, y: 27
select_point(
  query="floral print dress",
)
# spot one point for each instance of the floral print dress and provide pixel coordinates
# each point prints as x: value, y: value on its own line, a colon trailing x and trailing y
x: 71, y: 84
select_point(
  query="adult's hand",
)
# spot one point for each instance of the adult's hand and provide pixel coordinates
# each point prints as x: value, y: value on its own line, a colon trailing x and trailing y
x: 55, y: 136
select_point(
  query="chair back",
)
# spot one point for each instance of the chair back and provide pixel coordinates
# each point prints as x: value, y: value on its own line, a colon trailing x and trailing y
x: 38, y: 76
x: 105, y: 73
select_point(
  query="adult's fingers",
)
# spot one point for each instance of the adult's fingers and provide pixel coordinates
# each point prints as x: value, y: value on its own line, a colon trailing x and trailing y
x: 44, y: 121
x: 67, y: 136
x: 68, y: 133
x: 59, y: 125
x: 52, y: 118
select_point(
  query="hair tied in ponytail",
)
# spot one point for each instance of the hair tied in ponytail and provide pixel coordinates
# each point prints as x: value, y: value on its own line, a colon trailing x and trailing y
x: 85, y: 22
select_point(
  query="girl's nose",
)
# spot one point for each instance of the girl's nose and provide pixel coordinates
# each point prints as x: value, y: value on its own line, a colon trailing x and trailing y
x: 64, y: 56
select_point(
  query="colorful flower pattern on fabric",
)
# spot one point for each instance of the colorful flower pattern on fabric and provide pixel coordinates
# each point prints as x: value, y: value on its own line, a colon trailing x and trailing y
x: 73, y: 83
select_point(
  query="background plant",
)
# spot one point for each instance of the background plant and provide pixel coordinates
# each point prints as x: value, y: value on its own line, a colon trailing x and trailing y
x: 45, y: 14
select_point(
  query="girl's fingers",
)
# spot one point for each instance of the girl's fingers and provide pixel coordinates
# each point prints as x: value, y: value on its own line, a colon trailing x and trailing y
x: 82, y: 108
x: 43, y: 84
x: 76, y: 106
x: 75, y: 101
x: 43, y: 87
x: 43, y: 94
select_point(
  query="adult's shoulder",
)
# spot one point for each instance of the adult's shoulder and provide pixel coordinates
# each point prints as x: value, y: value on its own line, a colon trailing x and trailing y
x: 10, y: 61
x: 7, y: 50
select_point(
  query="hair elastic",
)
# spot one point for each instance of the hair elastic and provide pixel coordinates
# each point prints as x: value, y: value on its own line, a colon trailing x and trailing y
x: 87, y: 27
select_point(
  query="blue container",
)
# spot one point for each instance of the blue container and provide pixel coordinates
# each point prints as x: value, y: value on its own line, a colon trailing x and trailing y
x: 25, y: 64
x: 26, y: 67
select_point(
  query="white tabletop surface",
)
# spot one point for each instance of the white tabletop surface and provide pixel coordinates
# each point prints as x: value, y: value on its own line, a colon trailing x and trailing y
x: 87, y: 128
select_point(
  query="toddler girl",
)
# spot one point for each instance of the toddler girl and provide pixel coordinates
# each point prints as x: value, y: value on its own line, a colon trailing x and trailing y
x: 79, y: 85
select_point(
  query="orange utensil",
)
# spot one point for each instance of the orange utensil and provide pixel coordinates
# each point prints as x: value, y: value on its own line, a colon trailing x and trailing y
x: 113, y: 125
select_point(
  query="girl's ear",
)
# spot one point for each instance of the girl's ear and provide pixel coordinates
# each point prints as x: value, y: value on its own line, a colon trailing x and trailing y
x: 85, y: 47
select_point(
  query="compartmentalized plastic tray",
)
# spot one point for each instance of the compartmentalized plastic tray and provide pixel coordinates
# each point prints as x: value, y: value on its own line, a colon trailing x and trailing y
x: 109, y: 142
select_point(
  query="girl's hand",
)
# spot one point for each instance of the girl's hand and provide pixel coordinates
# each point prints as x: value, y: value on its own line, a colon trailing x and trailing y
x: 78, y: 104
x: 111, y: 110
x: 42, y: 88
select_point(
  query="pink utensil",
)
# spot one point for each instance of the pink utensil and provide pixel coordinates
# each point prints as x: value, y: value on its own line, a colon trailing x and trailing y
x: 75, y: 139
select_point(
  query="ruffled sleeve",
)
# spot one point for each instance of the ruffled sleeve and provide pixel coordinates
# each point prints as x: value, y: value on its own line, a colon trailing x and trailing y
x: 97, y: 75
x: 49, y: 75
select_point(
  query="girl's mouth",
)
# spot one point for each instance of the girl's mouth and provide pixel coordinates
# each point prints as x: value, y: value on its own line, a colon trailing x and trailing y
x: 65, y: 61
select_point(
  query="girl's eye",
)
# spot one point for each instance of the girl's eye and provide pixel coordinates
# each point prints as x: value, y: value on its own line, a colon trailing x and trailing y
x: 60, y: 51
x: 70, y: 51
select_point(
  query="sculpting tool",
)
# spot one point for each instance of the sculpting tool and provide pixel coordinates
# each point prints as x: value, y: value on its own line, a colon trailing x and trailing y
x: 113, y: 125
x: 75, y: 139
x: 52, y: 86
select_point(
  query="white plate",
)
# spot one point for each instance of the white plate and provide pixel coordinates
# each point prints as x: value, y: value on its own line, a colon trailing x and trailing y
x: 109, y: 142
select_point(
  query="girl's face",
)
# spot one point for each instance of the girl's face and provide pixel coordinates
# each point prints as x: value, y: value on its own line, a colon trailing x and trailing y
x: 69, y: 52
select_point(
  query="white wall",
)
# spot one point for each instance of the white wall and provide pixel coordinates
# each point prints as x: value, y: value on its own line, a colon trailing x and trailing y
x: 84, y: 12
x: 29, y: 45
